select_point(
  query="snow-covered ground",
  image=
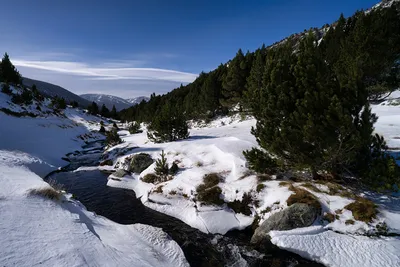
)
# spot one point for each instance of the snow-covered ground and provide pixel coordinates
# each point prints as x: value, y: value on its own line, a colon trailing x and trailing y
x: 217, y: 148
x: 38, y: 231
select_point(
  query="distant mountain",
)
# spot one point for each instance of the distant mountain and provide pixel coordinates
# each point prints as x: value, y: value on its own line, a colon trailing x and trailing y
x: 137, y: 100
x: 52, y: 90
x: 110, y: 100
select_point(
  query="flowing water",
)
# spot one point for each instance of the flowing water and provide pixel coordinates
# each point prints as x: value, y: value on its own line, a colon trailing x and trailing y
x: 122, y: 206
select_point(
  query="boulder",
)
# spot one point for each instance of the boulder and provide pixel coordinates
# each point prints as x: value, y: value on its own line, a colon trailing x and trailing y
x: 295, y: 216
x: 120, y: 173
x: 140, y: 162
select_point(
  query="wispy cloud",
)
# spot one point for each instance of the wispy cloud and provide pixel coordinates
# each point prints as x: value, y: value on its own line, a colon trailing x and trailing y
x: 124, y: 78
x: 107, y: 72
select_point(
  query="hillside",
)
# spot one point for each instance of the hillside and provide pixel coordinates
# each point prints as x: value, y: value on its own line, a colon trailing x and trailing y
x: 109, y: 101
x: 52, y: 90
x: 34, y: 139
x: 217, y: 91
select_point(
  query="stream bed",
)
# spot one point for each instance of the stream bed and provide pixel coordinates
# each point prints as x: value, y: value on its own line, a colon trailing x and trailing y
x: 122, y: 206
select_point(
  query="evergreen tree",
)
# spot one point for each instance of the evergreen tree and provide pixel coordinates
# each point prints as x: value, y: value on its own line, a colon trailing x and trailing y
x: 114, y: 113
x: 5, y: 88
x: 162, y: 168
x: 255, y: 79
x: 8, y: 72
x: 167, y: 126
x: 93, y: 109
x: 235, y: 80
x: 309, y: 119
x: 105, y: 112
x: 113, y: 138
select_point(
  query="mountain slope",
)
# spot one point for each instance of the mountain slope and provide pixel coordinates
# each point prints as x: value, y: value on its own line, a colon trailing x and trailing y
x: 110, y: 100
x: 137, y: 100
x: 52, y: 90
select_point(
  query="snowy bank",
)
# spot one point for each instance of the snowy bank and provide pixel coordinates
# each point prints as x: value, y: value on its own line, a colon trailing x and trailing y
x: 40, y: 231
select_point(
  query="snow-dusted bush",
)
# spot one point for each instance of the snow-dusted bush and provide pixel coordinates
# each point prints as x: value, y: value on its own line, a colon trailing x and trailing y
x: 134, y: 128
x: 113, y: 138
x: 209, y: 192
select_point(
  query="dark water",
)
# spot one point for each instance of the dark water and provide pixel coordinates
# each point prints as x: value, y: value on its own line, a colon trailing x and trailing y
x: 122, y: 206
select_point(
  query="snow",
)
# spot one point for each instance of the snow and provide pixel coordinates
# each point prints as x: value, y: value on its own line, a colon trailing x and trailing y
x: 217, y: 147
x: 334, y: 249
x: 208, y: 150
x: 40, y: 231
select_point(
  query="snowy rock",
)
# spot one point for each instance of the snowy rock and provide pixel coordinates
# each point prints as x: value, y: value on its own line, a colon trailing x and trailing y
x: 140, y: 162
x: 296, y: 216
x: 120, y: 173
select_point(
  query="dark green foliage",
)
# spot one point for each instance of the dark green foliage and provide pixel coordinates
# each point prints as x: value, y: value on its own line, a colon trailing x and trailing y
x: 58, y: 103
x: 93, y: 109
x: 102, y: 129
x: 235, y: 80
x: 209, y: 192
x: 8, y: 72
x: 5, y: 88
x: 162, y: 168
x: 211, y: 195
x: 113, y: 113
x: 242, y: 206
x: 260, y: 187
x: 113, y: 138
x: 24, y: 98
x: 74, y: 104
x: 115, y: 126
x: 134, y: 128
x: 173, y: 169
x: 105, y: 112
x: 211, y: 179
x: 169, y: 125
x: 260, y: 161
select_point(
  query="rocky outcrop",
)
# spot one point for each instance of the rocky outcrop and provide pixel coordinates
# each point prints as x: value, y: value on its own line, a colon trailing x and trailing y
x: 296, y: 216
x: 140, y: 162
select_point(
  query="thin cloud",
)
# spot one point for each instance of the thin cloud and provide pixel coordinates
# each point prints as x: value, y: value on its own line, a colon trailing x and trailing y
x: 105, y: 72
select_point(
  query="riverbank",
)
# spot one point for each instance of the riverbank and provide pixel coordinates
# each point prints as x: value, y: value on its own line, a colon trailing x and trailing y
x: 40, y: 226
x: 245, y: 197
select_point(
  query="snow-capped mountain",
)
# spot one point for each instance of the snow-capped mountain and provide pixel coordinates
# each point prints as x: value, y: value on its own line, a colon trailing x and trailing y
x: 110, y: 100
x: 137, y: 100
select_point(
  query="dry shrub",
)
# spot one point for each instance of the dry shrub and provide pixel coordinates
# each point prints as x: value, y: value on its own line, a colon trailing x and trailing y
x: 303, y: 196
x: 329, y: 217
x: 47, y: 192
x: 311, y: 187
x: 363, y: 209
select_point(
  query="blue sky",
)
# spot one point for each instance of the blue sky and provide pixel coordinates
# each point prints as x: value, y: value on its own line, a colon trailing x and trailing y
x: 132, y: 48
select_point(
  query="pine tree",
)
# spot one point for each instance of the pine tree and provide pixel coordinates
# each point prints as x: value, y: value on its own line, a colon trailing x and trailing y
x: 235, y: 80
x: 114, y: 113
x: 105, y: 112
x: 255, y: 80
x: 162, y: 168
x: 167, y: 126
x: 8, y: 72
x: 93, y: 109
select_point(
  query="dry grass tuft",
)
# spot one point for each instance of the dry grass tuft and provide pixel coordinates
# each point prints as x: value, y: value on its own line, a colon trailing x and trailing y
x: 311, y: 187
x: 349, y: 222
x: 159, y: 189
x: 303, y: 196
x: 363, y: 209
x: 47, y: 192
x: 285, y: 183
x: 329, y: 217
